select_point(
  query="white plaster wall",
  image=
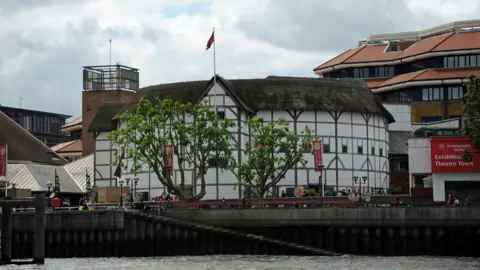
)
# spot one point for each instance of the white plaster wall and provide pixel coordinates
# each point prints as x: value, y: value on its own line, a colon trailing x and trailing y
x: 402, y: 115
x: 352, y: 131
x: 419, y: 155
x: 439, y: 180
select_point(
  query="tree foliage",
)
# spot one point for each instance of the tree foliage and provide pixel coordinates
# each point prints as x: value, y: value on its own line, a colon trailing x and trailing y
x: 198, y: 136
x: 471, y: 108
x: 272, y: 150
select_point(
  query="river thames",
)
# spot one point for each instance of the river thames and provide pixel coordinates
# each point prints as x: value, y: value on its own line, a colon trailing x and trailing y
x: 259, y: 263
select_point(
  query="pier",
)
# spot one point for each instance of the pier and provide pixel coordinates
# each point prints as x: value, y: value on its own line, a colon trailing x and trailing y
x: 37, y: 246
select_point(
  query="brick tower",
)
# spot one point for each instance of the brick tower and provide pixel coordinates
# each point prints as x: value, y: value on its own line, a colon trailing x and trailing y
x: 113, y: 83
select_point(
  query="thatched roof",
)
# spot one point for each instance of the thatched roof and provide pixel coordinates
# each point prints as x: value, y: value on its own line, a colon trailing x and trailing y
x: 23, y: 146
x: 103, y: 120
x: 271, y: 93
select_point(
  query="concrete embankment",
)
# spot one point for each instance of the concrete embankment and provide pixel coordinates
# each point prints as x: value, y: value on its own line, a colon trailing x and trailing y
x: 394, y: 231
x: 366, y: 231
x: 125, y: 234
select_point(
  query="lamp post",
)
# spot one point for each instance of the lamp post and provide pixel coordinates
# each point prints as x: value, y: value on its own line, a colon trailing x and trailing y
x: 120, y: 182
x: 49, y: 186
x: 356, y: 179
x: 127, y: 180
x: 320, y: 181
x: 88, y: 187
x: 135, y: 181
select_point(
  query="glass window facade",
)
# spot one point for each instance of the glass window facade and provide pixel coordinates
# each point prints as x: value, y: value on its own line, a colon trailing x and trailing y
x: 459, y: 61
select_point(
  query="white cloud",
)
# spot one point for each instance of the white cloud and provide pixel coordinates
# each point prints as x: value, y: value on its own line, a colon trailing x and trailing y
x: 46, y: 43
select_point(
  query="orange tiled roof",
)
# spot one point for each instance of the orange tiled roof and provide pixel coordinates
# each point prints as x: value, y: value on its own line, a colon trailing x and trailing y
x: 460, y: 41
x: 376, y: 52
x: 340, y: 58
x: 431, y: 74
x: 72, y: 146
x: 74, y: 122
x: 372, y: 83
x: 425, y: 45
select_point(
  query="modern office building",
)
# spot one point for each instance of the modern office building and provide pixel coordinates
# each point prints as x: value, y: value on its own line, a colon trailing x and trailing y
x: 345, y: 114
x: 424, y: 69
x: 418, y: 76
x: 45, y: 126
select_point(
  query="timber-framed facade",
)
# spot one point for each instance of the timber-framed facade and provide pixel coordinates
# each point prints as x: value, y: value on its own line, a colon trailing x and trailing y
x: 352, y: 124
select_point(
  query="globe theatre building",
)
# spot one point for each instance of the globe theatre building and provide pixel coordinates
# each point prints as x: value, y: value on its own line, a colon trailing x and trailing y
x: 344, y: 114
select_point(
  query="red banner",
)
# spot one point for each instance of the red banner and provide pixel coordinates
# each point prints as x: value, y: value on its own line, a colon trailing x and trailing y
x: 447, y: 154
x: 170, y: 152
x: 3, y: 160
x: 317, y: 155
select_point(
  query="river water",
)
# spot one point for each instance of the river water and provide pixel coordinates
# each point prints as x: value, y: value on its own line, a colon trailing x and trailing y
x: 259, y: 262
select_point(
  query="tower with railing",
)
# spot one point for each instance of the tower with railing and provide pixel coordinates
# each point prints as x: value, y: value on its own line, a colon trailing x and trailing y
x: 101, y: 84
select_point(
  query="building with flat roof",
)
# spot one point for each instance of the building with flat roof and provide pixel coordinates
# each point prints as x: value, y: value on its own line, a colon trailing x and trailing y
x: 45, y: 126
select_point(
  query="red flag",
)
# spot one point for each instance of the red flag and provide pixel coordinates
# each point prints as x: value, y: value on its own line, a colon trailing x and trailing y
x: 3, y: 160
x: 210, y: 41
x: 317, y: 155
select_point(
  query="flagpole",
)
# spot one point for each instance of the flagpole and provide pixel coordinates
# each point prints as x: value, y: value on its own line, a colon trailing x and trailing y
x: 214, y: 71
x: 6, y: 169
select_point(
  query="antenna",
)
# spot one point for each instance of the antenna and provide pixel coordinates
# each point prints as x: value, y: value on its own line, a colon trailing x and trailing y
x: 21, y: 99
x: 110, y: 59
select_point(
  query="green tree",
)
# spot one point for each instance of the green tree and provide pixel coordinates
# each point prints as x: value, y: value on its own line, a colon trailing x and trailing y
x: 471, y: 109
x: 200, y: 139
x: 272, y: 150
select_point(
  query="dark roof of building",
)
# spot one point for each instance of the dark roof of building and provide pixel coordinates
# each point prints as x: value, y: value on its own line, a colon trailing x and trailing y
x: 103, y: 120
x: 23, y: 146
x: 398, y: 142
x: 27, y: 111
x: 271, y: 93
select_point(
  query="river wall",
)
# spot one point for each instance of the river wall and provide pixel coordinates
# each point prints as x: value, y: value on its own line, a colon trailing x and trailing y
x: 366, y: 231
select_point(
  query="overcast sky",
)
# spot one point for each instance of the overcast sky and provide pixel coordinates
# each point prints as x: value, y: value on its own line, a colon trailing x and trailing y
x: 45, y: 43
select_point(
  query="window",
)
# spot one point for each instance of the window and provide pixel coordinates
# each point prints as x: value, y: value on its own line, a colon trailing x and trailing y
x: 455, y: 92
x: 432, y: 94
x: 380, y: 152
x: 397, y: 98
x: 473, y: 60
x: 425, y: 94
x: 384, y: 71
x: 221, y: 114
x: 326, y: 147
x: 344, y: 146
x: 217, y: 162
x: 361, y: 72
x: 373, y: 151
x: 428, y: 119
x: 399, y: 164
x: 461, y: 61
x: 360, y: 146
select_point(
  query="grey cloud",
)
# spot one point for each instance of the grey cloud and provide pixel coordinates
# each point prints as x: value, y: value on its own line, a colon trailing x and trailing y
x: 309, y: 25
x: 53, y: 80
x: 9, y: 7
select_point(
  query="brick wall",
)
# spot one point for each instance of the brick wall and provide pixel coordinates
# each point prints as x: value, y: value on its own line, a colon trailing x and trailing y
x: 91, y: 100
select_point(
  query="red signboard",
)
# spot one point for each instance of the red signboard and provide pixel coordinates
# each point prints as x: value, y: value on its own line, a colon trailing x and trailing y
x: 317, y: 155
x: 447, y: 154
x: 169, y: 151
x: 3, y: 160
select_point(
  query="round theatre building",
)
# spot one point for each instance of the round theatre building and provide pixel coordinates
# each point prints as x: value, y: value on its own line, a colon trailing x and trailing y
x: 343, y: 113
